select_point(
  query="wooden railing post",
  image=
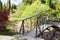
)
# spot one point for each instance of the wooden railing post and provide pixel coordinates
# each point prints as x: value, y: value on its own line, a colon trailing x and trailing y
x: 36, y: 26
x: 22, y: 28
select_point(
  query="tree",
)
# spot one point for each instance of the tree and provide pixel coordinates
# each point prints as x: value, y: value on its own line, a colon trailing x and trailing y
x: 43, y: 1
x: 13, y: 6
x: 28, y: 1
x: 48, y: 2
x: 9, y: 5
x: 6, y: 6
x: 1, y: 5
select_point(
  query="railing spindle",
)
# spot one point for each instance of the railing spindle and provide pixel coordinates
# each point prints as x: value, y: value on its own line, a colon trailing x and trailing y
x: 30, y: 23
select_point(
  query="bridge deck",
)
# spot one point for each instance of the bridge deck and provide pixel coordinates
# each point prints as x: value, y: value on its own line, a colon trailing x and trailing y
x: 27, y: 37
x: 33, y: 32
x: 40, y: 23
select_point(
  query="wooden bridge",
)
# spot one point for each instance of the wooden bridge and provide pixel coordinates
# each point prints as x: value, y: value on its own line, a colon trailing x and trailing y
x: 36, y: 25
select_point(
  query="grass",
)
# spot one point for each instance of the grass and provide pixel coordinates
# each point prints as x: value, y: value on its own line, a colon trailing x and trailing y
x: 7, y: 32
x: 58, y: 38
x: 18, y: 39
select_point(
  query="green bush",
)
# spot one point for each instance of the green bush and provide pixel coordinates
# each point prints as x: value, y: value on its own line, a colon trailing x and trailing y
x: 30, y: 10
x: 6, y: 6
x: 58, y: 38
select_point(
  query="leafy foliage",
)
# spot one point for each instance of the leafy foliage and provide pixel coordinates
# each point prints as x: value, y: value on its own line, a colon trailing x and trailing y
x: 28, y: 1
x: 13, y: 6
x: 27, y: 9
x: 6, y: 6
x: 1, y: 6
x: 30, y: 10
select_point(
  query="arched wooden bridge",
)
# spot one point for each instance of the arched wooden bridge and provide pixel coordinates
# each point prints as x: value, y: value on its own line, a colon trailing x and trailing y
x: 36, y: 25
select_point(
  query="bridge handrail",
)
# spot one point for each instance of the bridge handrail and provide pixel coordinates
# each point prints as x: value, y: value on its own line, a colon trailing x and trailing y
x: 54, y: 21
x: 22, y: 25
x: 30, y: 17
x: 36, y: 23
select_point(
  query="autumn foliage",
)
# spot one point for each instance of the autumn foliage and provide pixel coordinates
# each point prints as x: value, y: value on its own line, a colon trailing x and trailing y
x: 3, y: 17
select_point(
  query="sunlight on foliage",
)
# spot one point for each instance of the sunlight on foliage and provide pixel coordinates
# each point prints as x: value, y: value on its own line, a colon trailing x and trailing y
x: 30, y: 10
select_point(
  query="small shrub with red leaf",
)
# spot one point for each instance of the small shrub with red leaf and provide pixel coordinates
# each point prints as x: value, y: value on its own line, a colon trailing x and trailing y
x: 3, y: 17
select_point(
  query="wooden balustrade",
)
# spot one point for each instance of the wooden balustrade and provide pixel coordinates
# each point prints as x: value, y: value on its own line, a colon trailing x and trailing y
x: 35, y: 22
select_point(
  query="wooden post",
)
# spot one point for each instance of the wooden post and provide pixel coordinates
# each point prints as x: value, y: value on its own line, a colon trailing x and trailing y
x: 36, y: 26
x: 23, y: 26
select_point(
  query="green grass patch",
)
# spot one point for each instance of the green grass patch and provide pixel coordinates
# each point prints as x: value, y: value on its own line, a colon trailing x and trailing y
x: 7, y: 32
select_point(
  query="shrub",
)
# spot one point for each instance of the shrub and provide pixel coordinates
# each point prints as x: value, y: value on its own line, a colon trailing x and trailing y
x: 30, y: 10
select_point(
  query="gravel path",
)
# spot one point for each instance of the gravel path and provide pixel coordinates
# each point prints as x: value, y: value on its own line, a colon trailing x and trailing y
x: 27, y: 37
x: 22, y: 37
x: 6, y: 37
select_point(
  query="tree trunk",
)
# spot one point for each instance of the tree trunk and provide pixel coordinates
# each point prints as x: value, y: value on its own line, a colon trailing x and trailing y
x: 48, y: 2
x: 9, y: 5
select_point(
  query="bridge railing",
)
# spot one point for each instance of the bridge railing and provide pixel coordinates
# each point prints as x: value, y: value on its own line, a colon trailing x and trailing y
x: 33, y: 22
x: 30, y: 23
